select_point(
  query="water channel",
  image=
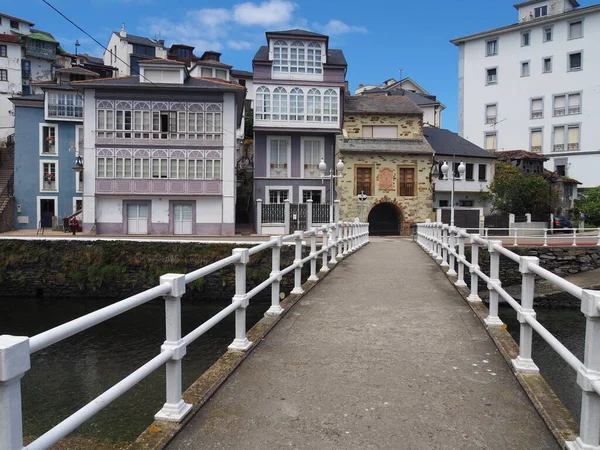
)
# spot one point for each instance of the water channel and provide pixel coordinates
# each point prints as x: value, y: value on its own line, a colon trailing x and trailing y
x: 67, y: 375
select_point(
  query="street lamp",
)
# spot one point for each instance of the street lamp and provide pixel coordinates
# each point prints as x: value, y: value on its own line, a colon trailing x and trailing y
x: 551, y: 181
x: 330, y: 177
x: 78, y: 167
x: 461, y: 171
x: 361, y: 198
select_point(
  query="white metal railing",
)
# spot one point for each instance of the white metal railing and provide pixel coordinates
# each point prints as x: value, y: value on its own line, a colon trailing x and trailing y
x: 542, y: 236
x: 338, y: 240
x: 446, y: 244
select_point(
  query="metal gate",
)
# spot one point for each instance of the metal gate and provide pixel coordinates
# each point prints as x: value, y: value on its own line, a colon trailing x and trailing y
x: 463, y: 218
x: 298, y: 216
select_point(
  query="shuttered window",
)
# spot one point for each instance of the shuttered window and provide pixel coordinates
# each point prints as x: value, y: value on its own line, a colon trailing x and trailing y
x: 536, y: 140
x: 380, y: 131
x: 364, y: 178
x: 406, y: 181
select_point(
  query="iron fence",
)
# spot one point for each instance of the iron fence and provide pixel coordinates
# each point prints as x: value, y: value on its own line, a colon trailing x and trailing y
x: 273, y: 213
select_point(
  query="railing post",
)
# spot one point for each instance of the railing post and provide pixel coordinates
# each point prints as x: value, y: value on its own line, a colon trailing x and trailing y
x: 474, y: 294
x: 492, y: 319
x: 460, y: 281
x: 14, y: 362
x: 174, y: 409
x: 275, y: 308
x: 444, y: 246
x: 346, y: 239
x: 286, y: 216
x: 313, y: 256
x: 451, y: 250
x: 516, y: 243
x: 336, y: 211
x: 298, y: 260
x: 523, y: 362
x: 438, y: 241
x: 589, y: 375
x: 259, y: 216
x: 574, y: 238
x: 325, y: 248
x: 333, y: 250
x: 545, y: 237
x: 309, y: 210
x: 340, y: 241
x: 241, y: 342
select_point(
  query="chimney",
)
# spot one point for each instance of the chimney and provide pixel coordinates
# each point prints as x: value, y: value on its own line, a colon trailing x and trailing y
x: 123, y: 33
x: 161, y: 42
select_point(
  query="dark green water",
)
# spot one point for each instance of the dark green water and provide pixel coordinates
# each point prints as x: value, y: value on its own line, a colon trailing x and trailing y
x: 568, y: 326
x: 67, y: 375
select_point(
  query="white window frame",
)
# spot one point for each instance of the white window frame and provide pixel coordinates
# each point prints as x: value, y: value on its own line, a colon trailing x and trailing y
x: 485, y: 136
x: 288, y: 157
x: 487, y: 49
x: 528, y: 34
x: 528, y: 62
x: 38, y: 208
x: 569, y: 29
x: 540, y: 9
x: 544, y: 64
x: 303, y: 139
x: 210, y: 174
x: 531, y: 111
x: 566, y: 95
x: 301, y: 190
x: 311, y: 67
x: 148, y: 168
x: 42, y: 175
x: 76, y: 98
x: 569, y: 68
x: 106, y: 159
x: 74, y: 204
x: 565, y: 142
x: 268, y: 190
x: 41, y: 139
x: 531, y: 131
x: 544, y: 35
x: 487, y: 77
x: 487, y: 118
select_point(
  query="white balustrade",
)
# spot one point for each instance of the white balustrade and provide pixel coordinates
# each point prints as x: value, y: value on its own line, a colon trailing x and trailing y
x: 443, y: 238
x: 15, y: 351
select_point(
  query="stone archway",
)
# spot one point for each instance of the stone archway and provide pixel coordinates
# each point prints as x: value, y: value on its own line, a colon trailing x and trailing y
x: 385, y: 219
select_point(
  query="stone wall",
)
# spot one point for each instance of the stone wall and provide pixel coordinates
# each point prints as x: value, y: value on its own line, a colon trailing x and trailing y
x: 409, y: 126
x: 7, y: 216
x: 117, y: 269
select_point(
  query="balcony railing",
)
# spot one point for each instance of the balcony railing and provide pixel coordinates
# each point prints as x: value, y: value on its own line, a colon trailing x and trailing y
x: 406, y: 189
x: 559, y: 147
x: 559, y: 111
x: 273, y: 213
x: 49, y: 186
x: 49, y: 148
x: 536, y: 148
x: 278, y: 170
x: 537, y: 114
x: 574, y: 109
x: 311, y: 171
x: 574, y: 146
x: 490, y: 119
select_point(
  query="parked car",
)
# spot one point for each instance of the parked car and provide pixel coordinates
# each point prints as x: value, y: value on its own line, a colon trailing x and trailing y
x: 561, y: 222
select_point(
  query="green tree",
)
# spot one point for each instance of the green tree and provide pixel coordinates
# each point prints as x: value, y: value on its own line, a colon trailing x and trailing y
x: 589, y: 204
x: 513, y: 191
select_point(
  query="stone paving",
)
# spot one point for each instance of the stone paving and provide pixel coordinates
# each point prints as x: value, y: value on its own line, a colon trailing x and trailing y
x: 384, y: 354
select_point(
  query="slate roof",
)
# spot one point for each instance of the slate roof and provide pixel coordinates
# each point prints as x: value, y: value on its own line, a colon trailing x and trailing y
x: 241, y: 73
x: 133, y: 81
x: 31, y: 98
x: 335, y: 57
x: 380, y: 104
x: 418, y: 98
x: 78, y: 70
x: 161, y: 61
x: 520, y: 154
x: 445, y: 142
x: 297, y: 32
x: 52, y: 85
x: 94, y: 60
x: 384, y: 146
x: 139, y: 40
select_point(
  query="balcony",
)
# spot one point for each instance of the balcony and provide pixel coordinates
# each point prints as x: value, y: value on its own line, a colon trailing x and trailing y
x: 148, y: 138
x: 31, y: 51
x: 158, y: 187
x: 49, y: 186
x: 574, y: 109
x: 490, y: 120
x: 536, y: 148
x: 537, y: 114
x: 559, y: 111
x: 278, y: 170
x: 574, y: 146
x: 559, y: 147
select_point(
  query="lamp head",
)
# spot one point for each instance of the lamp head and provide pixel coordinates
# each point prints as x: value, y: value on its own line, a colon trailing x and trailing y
x: 445, y: 170
x: 340, y: 166
x: 78, y: 164
x: 322, y: 166
x: 461, y: 170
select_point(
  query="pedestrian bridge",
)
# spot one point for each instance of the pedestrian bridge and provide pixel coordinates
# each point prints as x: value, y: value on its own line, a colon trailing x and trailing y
x: 384, y: 353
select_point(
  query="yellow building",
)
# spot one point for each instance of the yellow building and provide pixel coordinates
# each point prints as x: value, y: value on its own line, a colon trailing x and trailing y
x: 387, y: 158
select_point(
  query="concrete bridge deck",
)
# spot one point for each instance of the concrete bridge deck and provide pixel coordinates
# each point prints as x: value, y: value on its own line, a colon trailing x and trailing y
x: 384, y: 354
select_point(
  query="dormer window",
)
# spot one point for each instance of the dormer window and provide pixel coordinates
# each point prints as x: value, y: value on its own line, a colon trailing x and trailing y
x: 541, y: 11
x: 297, y: 57
x: 14, y: 24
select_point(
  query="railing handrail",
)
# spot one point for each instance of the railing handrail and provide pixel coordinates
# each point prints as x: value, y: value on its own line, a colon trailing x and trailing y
x: 339, y: 239
x: 440, y: 241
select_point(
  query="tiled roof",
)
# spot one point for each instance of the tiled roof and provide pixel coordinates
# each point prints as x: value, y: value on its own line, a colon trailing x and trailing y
x: 78, y: 70
x: 297, y: 32
x: 10, y: 38
x: 133, y: 81
x: 139, y: 40
x: 447, y: 143
x: 29, y: 98
x: 520, y: 154
x: 241, y: 73
x: 50, y: 84
x: 334, y: 56
x: 161, y: 61
x: 94, y: 60
x: 380, y: 104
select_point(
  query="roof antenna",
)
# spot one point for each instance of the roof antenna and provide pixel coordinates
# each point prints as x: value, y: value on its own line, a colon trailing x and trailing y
x: 401, y: 70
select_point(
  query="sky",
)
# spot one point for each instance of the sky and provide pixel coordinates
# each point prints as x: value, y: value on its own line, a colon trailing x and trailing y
x: 389, y: 39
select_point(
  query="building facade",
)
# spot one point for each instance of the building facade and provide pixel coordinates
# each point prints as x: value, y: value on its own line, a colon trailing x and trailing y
x: 533, y: 85
x: 124, y: 51
x: 159, y: 155
x: 386, y: 159
x: 299, y: 85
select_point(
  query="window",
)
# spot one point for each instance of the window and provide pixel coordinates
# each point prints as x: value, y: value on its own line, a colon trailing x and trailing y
x: 491, y: 76
x: 313, y: 194
x: 3, y: 51
x: 123, y: 124
x: 14, y: 24
x: 330, y: 106
x: 444, y: 203
x: 491, y: 139
x: 141, y: 124
x: 220, y: 73
x: 406, y: 181
x: 561, y: 170
x: 491, y: 47
x: 547, y: 65
x: 380, y: 131
x: 263, y: 103
x: 576, y: 30
x: 491, y: 113
x: 567, y: 104
x: 106, y: 122
x: 540, y: 11
x: 3, y: 75
x: 177, y: 167
x: 49, y: 175
x: 65, y: 105
x: 49, y: 144
x: 525, y: 38
x: 214, y: 122
x: 280, y: 102
x: 278, y: 195
x: 364, y: 180
x: 141, y: 167
x: 537, y: 108
x: 122, y: 167
x: 313, y: 106
x: 195, y: 169
x: 547, y: 34
x: 280, y: 57
x: 566, y: 138
x: 105, y: 167
x: 278, y: 157
x: 575, y: 61
x: 312, y: 153
x: 314, y: 58
x: 296, y: 104
x: 536, y: 140
x: 469, y: 171
x: 25, y: 69
x: 296, y: 57
x: 159, y: 167
x: 482, y: 172
x: 525, y: 69
x: 213, y: 169
x: 206, y: 72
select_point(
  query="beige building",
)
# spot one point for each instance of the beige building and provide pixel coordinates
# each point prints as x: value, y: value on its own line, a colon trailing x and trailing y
x: 386, y: 158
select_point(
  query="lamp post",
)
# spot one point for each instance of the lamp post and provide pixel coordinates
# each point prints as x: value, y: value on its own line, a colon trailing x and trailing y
x: 330, y: 177
x: 361, y: 198
x: 461, y: 171
x: 551, y: 181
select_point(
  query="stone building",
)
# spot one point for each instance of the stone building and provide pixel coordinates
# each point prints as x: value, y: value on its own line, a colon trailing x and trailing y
x: 387, y: 159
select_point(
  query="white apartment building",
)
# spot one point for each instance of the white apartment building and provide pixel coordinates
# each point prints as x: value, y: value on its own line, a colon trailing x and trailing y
x: 534, y: 85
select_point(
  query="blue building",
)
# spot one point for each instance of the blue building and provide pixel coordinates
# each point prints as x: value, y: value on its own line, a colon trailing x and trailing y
x: 48, y: 140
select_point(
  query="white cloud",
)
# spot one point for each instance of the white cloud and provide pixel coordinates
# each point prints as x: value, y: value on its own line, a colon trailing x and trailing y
x: 215, y: 17
x: 336, y: 27
x: 272, y: 12
x: 240, y: 45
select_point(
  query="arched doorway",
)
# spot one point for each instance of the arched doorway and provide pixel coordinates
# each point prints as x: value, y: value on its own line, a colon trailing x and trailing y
x: 384, y: 220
